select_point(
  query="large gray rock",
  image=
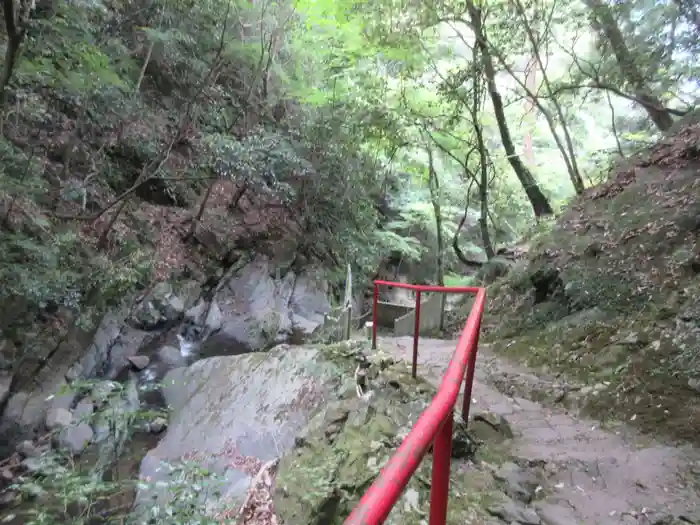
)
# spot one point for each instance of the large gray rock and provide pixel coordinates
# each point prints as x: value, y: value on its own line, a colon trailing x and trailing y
x: 75, y: 438
x: 102, y: 354
x: 164, y: 305
x: 232, y: 414
x: 518, y: 483
x: 259, y: 306
x: 139, y: 362
x: 512, y: 511
x: 309, y: 301
x: 206, y: 314
x: 112, y: 345
x: 227, y: 409
x: 58, y: 418
x: 345, y: 445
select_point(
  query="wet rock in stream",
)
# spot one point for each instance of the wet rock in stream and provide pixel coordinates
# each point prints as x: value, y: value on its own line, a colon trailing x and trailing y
x: 259, y: 302
x: 139, y: 362
x: 163, y: 306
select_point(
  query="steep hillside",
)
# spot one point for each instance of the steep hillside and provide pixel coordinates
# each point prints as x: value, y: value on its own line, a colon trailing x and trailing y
x: 149, y: 143
x: 610, y: 294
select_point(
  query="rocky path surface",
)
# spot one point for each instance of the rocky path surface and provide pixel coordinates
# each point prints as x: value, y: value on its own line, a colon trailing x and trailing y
x: 593, y: 476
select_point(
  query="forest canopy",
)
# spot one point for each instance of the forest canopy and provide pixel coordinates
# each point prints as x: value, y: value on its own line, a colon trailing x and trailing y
x: 353, y: 131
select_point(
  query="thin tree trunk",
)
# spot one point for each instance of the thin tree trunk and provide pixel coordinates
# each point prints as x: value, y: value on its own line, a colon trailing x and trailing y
x: 602, y: 20
x: 539, y: 202
x: 455, y: 240
x: 15, y: 35
x: 614, y: 126
x: 484, y: 220
x: 530, y: 82
x: 434, y: 186
x: 569, y: 154
x: 200, y: 212
x: 142, y: 73
x: 240, y: 191
x: 574, y: 175
x: 104, y: 237
x: 484, y: 196
x: 483, y: 164
x: 11, y: 54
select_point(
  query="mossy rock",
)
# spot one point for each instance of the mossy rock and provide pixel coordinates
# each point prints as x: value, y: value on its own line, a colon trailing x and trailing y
x: 344, y: 446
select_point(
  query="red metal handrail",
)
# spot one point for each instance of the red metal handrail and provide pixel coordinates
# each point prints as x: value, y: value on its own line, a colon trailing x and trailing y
x: 434, y: 426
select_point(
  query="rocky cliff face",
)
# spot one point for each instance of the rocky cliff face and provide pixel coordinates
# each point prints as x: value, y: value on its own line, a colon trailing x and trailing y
x: 263, y: 304
x: 260, y: 303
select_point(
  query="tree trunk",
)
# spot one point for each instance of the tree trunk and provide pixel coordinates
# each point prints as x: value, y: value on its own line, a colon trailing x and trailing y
x: 103, y: 241
x: 602, y: 20
x: 531, y: 85
x: 483, y: 197
x: 200, y: 213
x: 11, y: 54
x: 539, y: 202
x: 144, y: 66
x: 613, y: 125
x: 455, y: 241
x: 569, y: 154
x: 483, y: 164
x: 240, y: 191
x: 15, y: 35
x: 434, y: 186
x: 571, y: 168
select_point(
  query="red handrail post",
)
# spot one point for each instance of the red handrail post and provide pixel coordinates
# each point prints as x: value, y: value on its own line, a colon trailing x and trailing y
x: 434, y: 426
x: 416, y: 333
x: 440, y: 482
x: 375, y: 299
x: 469, y: 377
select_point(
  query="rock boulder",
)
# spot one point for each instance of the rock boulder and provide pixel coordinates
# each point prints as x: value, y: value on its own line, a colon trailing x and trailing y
x: 225, y: 411
x: 230, y: 415
x: 160, y: 307
x: 261, y: 305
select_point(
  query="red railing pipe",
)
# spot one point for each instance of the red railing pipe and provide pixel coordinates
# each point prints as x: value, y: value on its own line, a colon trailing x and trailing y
x: 376, y: 504
x: 440, y: 479
x: 416, y: 333
x: 375, y: 299
x: 469, y: 378
x: 431, y: 288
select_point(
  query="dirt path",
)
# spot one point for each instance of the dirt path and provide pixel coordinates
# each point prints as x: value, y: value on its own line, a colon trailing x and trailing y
x: 594, y: 476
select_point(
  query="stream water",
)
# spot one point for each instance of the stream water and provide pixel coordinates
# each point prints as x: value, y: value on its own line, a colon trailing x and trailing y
x: 166, y: 351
